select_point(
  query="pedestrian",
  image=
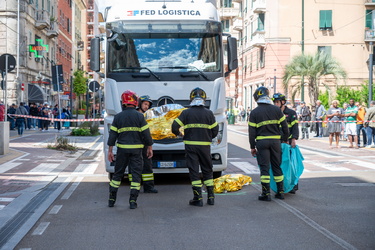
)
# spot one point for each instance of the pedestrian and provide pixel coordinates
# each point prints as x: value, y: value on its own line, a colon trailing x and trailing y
x: 343, y: 132
x: 11, y: 111
x: 200, y: 127
x: 264, y: 138
x: 248, y: 111
x: 145, y: 103
x: 68, y: 115
x: 370, y: 125
x: 27, y: 120
x: 20, y: 121
x: 351, y: 127
x: 360, y: 120
x: 334, y: 115
x: 319, y: 113
x: 56, y: 113
x: 305, y: 117
x: 291, y: 118
x: 131, y: 132
x: 45, y: 113
x: 33, y: 112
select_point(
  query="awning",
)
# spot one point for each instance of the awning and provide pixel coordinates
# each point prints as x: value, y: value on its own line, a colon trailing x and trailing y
x: 36, y: 94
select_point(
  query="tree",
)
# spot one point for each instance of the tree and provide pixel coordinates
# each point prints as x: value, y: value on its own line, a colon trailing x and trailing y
x: 79, y: 85
x: 312, y: 67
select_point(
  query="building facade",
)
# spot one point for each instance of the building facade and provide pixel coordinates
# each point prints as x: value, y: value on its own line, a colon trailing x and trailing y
x: 270, y: 34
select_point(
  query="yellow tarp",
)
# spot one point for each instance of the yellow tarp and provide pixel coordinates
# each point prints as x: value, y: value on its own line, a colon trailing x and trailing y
x: 160, y: 120
x: 231, y: 182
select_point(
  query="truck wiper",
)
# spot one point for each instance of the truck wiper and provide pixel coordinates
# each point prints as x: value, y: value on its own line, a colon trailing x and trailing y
x: 152, y: 73
x: 188, y: 67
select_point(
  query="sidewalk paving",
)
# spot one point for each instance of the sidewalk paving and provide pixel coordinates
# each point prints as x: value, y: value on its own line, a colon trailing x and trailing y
x: 30, y: 165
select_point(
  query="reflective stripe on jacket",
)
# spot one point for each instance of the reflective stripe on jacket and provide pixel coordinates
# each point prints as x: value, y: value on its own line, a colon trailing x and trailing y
x: 264, y: 123
x: 199, y: 124
x: 130, y: 129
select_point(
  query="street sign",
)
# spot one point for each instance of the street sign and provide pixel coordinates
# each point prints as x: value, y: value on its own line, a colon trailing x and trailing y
x: 22, y: 86
x: 11, y: 62
x: 64, y: 97
x: 94, y: 86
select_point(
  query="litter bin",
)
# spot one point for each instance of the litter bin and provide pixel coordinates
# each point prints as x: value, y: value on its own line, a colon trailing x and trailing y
x: 231, y: 119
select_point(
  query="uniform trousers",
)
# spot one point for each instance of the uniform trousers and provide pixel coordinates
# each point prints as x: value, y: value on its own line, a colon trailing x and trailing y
x: 199, y: 155
x: 269, y: 153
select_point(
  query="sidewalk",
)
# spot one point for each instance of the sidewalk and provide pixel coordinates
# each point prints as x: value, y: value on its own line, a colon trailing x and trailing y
x: 30, y: 166
x: 315, y: 143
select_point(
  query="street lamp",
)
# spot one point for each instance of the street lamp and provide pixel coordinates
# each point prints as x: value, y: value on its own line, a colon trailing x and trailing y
x: 303, y: 49
x: 274, y: 82
x: 370, y: 69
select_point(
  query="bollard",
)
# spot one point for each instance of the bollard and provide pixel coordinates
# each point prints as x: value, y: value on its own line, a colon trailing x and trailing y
x: 4, y: 138
x: 231, y: 119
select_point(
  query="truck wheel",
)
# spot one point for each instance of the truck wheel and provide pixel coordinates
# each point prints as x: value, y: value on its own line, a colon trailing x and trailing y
x: 217, y: 174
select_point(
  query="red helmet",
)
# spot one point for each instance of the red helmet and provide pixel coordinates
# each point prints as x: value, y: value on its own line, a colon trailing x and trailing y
x: 129, y: 97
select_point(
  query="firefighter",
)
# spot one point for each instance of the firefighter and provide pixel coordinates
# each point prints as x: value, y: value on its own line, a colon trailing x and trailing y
x: 200, y: 127
x: 145, y: 103
x: 291, y: 118
x: 131, y: 131
x: 264, y: 137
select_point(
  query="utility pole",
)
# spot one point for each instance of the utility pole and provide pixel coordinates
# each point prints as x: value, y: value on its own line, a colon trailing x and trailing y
x: 303, y: 50
x: 274, y: 82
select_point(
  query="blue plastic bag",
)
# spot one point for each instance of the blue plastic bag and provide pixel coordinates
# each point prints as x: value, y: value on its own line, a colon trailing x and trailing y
x: 291, y: 165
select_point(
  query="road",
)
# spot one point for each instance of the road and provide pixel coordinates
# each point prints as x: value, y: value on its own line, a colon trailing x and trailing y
x: 334, y: 208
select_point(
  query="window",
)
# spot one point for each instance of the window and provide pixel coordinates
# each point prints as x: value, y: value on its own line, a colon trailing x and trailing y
x: 226, y: 3
x: 261, y: 57
x: 261, y: 22
x: 225, y: 24
x: 370, y: 17
x: 325, y: 20
x: 325, y: 49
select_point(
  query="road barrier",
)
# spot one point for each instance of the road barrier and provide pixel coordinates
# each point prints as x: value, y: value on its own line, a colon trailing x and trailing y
x: 58, y: 119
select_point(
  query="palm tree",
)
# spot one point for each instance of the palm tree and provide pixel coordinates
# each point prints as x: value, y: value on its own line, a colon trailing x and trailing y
x: 312, y: 67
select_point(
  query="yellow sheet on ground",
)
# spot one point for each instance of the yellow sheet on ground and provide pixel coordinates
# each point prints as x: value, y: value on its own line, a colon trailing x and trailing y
x: 231, y: 182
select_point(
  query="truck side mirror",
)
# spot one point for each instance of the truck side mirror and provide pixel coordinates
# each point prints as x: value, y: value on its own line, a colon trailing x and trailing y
x: 95, y: 54
x: 232, y: 53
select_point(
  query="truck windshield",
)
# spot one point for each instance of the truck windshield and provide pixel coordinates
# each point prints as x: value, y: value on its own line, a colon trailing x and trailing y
x: 164, y: 52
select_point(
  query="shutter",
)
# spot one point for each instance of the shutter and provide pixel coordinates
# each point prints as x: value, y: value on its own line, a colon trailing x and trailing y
x: 369, y: 19
x: 329, y: 19
x: 322, y: 19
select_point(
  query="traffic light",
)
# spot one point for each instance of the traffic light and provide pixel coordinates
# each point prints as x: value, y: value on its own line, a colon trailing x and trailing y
x: 57, y: 77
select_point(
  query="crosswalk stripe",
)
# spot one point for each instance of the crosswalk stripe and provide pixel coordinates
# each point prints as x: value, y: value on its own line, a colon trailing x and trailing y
x: 363, y: 164
x: 247, y: 167
x: 43, y: 168
x: 8, y: 166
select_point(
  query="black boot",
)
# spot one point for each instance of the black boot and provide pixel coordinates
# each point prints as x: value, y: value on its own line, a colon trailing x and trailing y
x: 133, y: 198
x: 197, y: 200
x: 280, y: 190
x: 265, y: 195
x: 112, y: 196
x: 294, y: 190
x: 211, y: 195
x: 148, y: 187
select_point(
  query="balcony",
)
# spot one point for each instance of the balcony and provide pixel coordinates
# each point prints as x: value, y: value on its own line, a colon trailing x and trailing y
x: 42, y: 19
x: 370, y: 3
x: 229, y: 12
x: 237, y: 1
x: 80, y: 45
x: 258, y: 39
x: 259, y: 6
x: 369, y: 35
x: 53, y: 30
x: 237, y: 24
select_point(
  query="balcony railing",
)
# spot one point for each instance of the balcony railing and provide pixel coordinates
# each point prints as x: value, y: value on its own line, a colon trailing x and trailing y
x: 369, y: 35
x: 42, y: 19
x: 258, y: 39
x: 53, y: 30
x: 229, y: 12
x: 237, y: 24
x: 369, y: 2
x: 259, y: 6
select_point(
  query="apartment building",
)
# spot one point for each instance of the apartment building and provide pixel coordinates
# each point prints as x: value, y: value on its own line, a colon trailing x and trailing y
x: 269, y: 35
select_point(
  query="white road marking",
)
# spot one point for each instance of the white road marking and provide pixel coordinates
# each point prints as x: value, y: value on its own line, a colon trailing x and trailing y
x: 55, y: 209
x: 363, y: 164
x: 8, y: 166
x: 6, y: 199
x: 2, y: 206
x: 73, y: 187
x: 41, y: 228
x: 44, y: 168
x: 86, y: 168
x: 247, y: 167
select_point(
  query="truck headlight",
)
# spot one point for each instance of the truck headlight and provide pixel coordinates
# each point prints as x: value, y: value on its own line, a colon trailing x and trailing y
x: 217, y: 140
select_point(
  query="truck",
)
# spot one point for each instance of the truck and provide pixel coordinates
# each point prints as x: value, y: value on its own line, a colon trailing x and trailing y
x: 165, y: 49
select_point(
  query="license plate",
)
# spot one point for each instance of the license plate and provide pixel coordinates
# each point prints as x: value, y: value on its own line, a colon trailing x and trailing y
x: 166, y: 164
